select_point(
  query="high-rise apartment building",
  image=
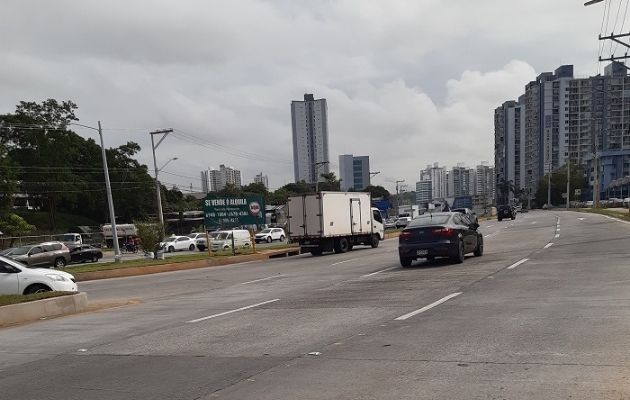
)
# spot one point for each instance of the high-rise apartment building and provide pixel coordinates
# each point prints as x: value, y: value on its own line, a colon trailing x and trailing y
x: 485, y: 183
x: 264, y: 179
x: 562, y: 118
x: 309, y: 120
x: 354, y: 172
x: 213, y: 180
x: 459, y: 181
x: 423, y: 192
x: 437, y: 176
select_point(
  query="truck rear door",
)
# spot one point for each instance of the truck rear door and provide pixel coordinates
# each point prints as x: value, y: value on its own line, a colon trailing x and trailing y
x: 356, y: 216
x: 295, y: 213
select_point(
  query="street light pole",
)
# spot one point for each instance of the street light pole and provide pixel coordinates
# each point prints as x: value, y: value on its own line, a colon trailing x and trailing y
x: 108, y: 188
x: 317, y: 165
x: 164, y: 133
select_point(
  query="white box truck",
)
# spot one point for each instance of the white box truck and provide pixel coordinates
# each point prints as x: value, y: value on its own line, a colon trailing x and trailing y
x: 333, y: 221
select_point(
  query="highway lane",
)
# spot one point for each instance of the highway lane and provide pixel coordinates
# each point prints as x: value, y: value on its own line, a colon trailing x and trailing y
x: 246, y: 331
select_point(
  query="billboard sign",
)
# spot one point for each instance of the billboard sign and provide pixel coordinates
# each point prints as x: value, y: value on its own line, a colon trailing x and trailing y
x: 228, y: 212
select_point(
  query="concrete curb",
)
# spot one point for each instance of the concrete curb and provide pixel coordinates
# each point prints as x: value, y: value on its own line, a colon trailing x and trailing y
x: 34, y: 310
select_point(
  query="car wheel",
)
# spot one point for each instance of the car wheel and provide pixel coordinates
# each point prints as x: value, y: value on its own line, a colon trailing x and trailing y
x: 282, y: 238
x: 269, y: 239
x: 171, y: 249
x: 341, y: 245
x: 459, y: 257
x: 405, y: 261
x: 513, y: 217
x: 375, y: 241
x: 37, y: 289
x: 479, y: 249
x: 94, y: 258
x: 191, y: 247
x: 59, y: 262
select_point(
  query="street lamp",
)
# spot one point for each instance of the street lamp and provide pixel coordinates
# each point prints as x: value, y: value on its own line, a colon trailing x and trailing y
x: 154, y: 146
x: 108, y: 187
x: 397, y: 197
x: 317, y: 165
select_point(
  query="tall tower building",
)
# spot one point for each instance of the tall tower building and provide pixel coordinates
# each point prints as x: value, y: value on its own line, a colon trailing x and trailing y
x: 213, y: 180
x: 264, y: 179
x: 309, y: 120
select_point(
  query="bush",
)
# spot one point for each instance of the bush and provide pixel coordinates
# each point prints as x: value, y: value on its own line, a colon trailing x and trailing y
x: 150, y: 235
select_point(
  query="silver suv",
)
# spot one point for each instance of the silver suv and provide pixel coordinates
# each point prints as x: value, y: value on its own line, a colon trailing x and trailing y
x: 54, y: 254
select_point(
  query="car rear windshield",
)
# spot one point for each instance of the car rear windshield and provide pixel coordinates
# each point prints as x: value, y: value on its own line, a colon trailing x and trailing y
x: 428, y: 220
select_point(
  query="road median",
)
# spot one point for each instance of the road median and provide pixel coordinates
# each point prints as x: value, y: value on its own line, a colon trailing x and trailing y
x: 45, y: 308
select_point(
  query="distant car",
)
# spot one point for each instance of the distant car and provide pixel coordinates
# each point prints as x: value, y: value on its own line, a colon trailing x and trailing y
x: 505, y: 211
x: 195, y: 236
x: 84, y: 253
x: 52, y: 254
x: 177, y: 243
x: 224, y: 239
x: 467, y: 212
x: 443, y: 234
x: 390, y: 223
x: 269, y: 235
x: 402, y: 222
x: 201, y: 242
x: 18, y: 278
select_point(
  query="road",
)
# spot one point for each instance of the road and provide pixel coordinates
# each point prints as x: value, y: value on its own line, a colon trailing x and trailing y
x: 544, y: 314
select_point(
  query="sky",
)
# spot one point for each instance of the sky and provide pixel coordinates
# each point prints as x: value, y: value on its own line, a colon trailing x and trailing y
x: 408, y: 83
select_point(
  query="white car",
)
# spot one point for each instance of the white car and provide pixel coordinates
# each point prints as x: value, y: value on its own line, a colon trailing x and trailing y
x: 177, y: 243
x: 17, y: 278
x: 270, y: 234
x: 195, y: 236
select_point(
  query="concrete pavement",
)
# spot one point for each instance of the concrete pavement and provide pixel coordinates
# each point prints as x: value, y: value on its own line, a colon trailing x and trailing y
x: 543, y: 314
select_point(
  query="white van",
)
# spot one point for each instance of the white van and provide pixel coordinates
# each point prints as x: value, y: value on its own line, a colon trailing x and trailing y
x: 223, y: 240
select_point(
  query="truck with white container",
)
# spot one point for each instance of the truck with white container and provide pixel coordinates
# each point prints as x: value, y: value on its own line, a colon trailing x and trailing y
x: 333, y: 221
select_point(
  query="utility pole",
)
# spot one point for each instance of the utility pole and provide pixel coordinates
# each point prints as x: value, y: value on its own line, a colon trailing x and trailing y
x: 164, y: 133
x: 568, y: 182
x: 110, y: 200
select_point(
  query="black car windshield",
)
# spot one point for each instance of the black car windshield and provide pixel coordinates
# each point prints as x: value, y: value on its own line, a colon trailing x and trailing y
x: 427, y: 220
x: 20, y: 251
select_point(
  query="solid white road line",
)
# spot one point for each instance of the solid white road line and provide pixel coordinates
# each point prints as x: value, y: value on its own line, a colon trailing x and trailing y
x: 430, y: 306
x: 533, y: 222
x: 378, y: 272
x: 341, y: 262
x: 548, y: 245
x: 231, y: 311
x: 516, y: 264
x: 261, y: 279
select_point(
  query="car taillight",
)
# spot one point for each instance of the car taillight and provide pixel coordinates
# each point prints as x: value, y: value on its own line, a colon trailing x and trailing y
x: 404, y: 235
x: 443, y: 232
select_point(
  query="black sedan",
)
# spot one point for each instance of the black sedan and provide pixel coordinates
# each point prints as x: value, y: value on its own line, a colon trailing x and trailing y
x: 445, y: 234
x: 85, y: 253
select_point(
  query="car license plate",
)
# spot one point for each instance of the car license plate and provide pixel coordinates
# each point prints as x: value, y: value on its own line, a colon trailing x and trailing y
x: 422, y: 252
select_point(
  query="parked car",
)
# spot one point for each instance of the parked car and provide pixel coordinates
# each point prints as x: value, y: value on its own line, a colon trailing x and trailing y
x: 505, y: 211
x: 195, y: 236
x: 84, y: 253
x: 177, y: 243
x: 18, y: 278
x: 444, y: 234
x: 467, y: 212
x: 269, y: 235
x: 390, y: 223
x: 402, y: 222
x: 201, y: 242
x: 54, y: 254
x: 8, y: 251
x: 223, y: 240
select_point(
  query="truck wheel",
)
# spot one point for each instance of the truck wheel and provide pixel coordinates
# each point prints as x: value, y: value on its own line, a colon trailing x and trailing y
x: 375, y: 240
x: 317, y: 251
x: 341, y: 245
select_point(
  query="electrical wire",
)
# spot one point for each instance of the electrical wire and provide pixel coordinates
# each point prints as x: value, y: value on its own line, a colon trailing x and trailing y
x: 623, y: 23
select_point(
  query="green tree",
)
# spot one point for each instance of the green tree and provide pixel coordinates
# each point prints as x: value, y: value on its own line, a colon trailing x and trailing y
x: 331, y: 183
x: 378, y: 192
x: 559, y: 185
x: 150, y: 235
x: 13, y: 225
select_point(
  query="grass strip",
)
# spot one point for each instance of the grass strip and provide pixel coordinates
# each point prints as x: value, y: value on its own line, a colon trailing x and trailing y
x: 9, y: 299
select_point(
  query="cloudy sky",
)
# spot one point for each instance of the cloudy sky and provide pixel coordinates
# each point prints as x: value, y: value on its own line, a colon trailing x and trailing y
x: 408, y: 83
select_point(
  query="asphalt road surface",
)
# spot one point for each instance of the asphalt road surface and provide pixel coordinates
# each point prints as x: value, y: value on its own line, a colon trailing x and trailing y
x: 544, y: 314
